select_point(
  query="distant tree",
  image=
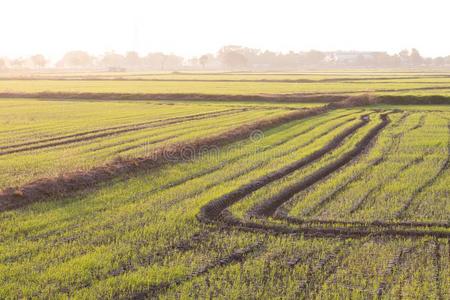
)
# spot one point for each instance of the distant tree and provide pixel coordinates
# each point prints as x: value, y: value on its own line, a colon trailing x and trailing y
x: 38, y: 60
x: 161, y: 61
x: 382, y: 59
x: 157, y: 61
x: 77, y: 59
x: 313, y: 57
x: 231, y: 57
x: 415, y: 58
x: 112, y: 60
x: 203, y: 60
x: 265, y: 60
x: 132, y: 59
x: 173, y: 62
x: 404, y: 56
x: 439, y: 61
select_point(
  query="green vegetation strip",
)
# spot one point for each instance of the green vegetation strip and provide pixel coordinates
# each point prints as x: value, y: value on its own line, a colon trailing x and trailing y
x: 46, y: 188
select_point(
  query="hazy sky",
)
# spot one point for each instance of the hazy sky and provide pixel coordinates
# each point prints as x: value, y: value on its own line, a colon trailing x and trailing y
x: 192, y: 27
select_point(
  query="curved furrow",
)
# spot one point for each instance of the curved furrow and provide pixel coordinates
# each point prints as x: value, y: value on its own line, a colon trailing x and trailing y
x: 358, y: 204
x: 325, y: 200
x: 169, y: 203
x: 214, y: 208
x: 12, y: 198
x: 283, y: 211
x: 268, y: 207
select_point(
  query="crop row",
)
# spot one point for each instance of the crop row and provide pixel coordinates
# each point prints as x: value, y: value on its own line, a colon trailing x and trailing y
x: 140, y: 237
x: 43, y: 158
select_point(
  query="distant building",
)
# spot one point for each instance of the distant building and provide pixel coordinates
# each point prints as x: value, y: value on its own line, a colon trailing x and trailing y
x: 350, y: 57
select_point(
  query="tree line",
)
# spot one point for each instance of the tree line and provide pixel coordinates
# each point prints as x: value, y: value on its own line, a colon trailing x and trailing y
x: 229, y: 58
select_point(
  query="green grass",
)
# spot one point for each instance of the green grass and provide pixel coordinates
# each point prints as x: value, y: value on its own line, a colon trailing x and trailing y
x: 25, y: 121
x: 220, y: 87
x: 408, y: 150
x: 139, y: 235
x: 124, y: 237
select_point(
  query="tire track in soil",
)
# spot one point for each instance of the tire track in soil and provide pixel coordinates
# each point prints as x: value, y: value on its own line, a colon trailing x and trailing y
x: 65, y: 184
x: 268, y: 207
x: 360, y: 202
x: 228, y: 220
x: 238, y: 255
x: 283, y: 211
x: 168, y: 204
x: 395, y: 263
x: 328, y: 198
x: 214, y: 208
x: 83, y: 138
x: 436, y: 255
x: 300, y: 259
x: 343, y: 186
x: 446, y: 164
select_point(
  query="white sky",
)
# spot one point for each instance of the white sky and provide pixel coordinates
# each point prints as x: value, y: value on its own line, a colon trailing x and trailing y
x: 193, y: 27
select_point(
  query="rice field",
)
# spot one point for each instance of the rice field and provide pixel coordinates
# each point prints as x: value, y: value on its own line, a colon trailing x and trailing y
x: 380, y: 83
x: 322, y: 202
x: 46, y: 138
x: 222, y: 87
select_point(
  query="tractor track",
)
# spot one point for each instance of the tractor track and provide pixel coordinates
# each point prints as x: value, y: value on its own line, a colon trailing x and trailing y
x: 268, y: 207
x: 214, y: 208
x: 282, y: 211
x: 170, y: 203
x: 181, y: 181
x: 12, y: 198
